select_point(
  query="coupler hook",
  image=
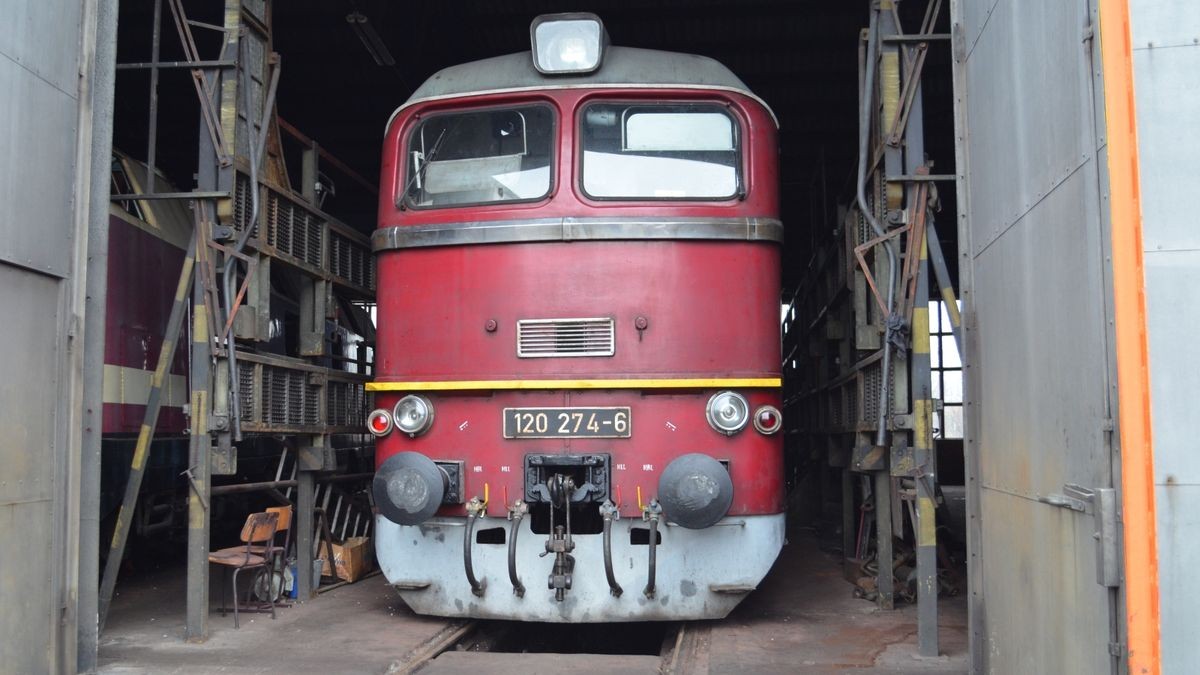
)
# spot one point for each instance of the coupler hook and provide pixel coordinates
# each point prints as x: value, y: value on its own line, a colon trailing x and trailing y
x: 475, y: 510
x: 515, y: 513
x: 560, y: 543
x: 652, y: 512
x: 609, y: 512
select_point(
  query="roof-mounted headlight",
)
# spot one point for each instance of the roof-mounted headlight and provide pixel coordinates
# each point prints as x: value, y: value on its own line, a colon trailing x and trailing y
x: 567, y: 43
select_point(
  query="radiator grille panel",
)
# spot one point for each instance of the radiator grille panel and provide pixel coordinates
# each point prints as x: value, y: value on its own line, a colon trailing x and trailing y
x: 541, y: 338
x: 242, y: 205
x: 293, y: 230
x: 351, y: 261
x: 346, y: 403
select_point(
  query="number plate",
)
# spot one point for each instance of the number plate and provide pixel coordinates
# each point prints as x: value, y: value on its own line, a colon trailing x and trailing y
x: 567, y: 423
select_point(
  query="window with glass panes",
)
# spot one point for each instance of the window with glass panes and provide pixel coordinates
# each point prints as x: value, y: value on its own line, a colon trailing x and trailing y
x: 946, y: 371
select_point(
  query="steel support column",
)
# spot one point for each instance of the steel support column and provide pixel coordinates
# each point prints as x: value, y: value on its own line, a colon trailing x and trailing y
x: 848, y: 520
x: 305, y: 503
x: 95, y: 305
x: 199, y: 405
x: 925, y: 473
x: 199, y: 446
x: 925, y: 455
x: 884, y: 579
x: 152, y: 132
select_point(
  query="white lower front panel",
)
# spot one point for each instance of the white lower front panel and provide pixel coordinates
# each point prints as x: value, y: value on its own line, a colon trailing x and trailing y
x: 701, y: 574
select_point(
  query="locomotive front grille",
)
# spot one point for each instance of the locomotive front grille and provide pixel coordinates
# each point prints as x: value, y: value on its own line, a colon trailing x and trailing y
x: 541, y: 338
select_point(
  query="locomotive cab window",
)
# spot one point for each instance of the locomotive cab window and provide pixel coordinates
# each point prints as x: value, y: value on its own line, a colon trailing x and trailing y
x: 660, y: 151
x: 479, y: 157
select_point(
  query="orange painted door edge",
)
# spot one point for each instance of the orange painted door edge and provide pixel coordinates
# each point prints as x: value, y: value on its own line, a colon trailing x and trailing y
x: 1132, y: 352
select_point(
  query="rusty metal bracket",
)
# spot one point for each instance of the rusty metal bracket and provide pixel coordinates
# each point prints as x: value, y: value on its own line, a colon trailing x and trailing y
x: 195, y: 488
x: 869, y: 458
x: 251, y: 267
x: 862, y: 263
x: 913, y: 65
x: 205, y: 267
x: 916, y: 241
x: 909, y: 92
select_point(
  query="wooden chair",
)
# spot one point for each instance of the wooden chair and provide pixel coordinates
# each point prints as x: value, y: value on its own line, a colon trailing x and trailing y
x: 257, y: 534
x: 284, y: 525
x: 275, y: 554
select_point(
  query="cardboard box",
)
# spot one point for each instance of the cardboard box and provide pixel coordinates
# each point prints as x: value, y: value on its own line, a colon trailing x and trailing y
x: 352, y: 558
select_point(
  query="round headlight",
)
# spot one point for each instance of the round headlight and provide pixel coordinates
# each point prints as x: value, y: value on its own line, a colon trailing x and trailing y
x: 379, y: 423
x: 767, y: 419
x: 728, y: 412
x: 413, y: 415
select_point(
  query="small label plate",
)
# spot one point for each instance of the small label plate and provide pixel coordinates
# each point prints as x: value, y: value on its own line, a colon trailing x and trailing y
x: 567, y: 423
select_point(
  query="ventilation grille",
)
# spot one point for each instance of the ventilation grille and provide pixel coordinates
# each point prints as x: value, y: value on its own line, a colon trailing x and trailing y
x: 273, y: 397
x: 346, y: 404
x: 288, y: 398
x: 351, y: 261
x: 293, y: 230
x: 242, y: 205
x: 565, y: 337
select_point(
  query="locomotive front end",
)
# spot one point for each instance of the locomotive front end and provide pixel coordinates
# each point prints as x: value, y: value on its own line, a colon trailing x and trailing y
x: 578, y: 368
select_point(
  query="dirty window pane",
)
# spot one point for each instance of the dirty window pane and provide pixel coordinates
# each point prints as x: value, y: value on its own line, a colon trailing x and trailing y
x: 950, y: 353
x: 479, y: 157
x: 953, y: 391
x: 953, y: 419
x: 659, y: 151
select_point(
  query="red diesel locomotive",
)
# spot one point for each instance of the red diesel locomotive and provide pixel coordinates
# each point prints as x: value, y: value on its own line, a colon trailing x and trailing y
x: 578, y: 361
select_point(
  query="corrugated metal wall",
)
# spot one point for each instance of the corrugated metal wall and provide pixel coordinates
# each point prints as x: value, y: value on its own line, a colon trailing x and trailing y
x: 1166, y: 61
x: 43, y: 141
x: 1039, y: 358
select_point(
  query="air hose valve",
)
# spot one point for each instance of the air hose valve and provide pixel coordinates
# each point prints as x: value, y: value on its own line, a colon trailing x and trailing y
x: 516, y: 512
x: 652, y: 512
x: 476, y: 509
x: 609, y: 512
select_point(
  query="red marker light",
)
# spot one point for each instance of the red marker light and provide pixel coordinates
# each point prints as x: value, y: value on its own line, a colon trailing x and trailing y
x: 379, y: 423
x: 767, y: 419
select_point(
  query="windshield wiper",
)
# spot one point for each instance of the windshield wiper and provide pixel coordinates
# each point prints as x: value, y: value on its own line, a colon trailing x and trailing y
x: 419, y: 174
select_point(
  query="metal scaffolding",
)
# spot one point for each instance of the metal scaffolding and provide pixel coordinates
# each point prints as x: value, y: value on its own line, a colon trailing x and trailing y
x: 256, y: 240
x: 856, y: 332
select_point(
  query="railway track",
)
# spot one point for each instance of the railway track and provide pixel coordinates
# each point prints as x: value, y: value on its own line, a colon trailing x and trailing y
x: 499, y: 647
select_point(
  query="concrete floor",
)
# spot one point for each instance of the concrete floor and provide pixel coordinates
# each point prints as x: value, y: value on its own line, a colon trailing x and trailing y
x: 357, y: 628
x: 803, y: 619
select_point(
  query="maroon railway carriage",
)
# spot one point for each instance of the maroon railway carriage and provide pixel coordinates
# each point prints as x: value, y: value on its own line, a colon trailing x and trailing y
x: 578, y: 365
